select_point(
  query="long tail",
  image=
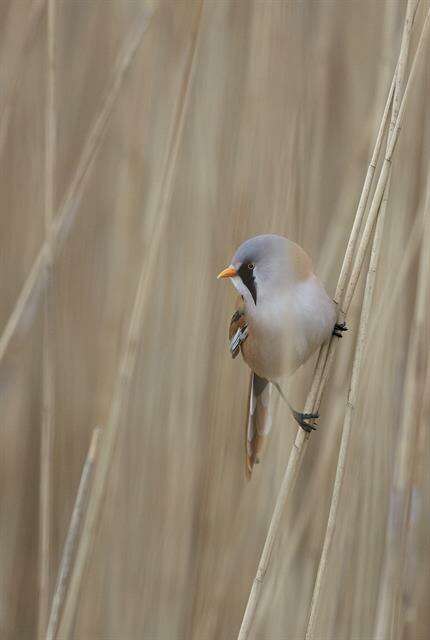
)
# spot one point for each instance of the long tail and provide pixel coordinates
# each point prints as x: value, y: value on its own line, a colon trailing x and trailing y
x: 259, y: 420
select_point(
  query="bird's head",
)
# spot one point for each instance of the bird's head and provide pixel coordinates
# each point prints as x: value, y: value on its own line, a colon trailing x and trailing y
x: 265, y: 265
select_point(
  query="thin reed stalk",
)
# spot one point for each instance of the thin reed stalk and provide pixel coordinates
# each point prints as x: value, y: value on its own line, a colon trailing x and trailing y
x: 72, y: 535
x: 129, y: 355
x: 63, y: 220
x: 326, y: 356
x: 361, y: 344
x: 389, y: 602
x: 48, y: 389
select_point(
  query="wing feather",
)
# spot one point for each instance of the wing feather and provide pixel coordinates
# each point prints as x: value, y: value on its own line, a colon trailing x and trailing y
x: 238, y: 331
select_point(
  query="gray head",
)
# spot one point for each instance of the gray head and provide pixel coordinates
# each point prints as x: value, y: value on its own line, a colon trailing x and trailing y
x: 264, y: 263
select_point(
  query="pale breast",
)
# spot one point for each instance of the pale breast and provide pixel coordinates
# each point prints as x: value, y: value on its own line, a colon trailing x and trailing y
x: 284, y: 332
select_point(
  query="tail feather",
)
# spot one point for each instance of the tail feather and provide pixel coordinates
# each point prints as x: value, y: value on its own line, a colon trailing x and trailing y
x: 258, y: 422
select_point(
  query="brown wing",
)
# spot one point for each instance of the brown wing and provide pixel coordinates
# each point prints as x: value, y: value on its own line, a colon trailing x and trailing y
x: 258, y: 422
x: 237, y: 323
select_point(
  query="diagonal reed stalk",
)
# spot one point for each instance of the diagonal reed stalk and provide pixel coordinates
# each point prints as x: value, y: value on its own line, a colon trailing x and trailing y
x: 45, y: 498
x: 361, y: 344
x: 389, y: 602
x: 63, y: 220
x: 72, y: 535
x: 326, y: 355
x: 128, y: 358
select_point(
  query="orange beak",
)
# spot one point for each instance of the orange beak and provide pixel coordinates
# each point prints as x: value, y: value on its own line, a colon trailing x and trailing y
x: 227, y: 273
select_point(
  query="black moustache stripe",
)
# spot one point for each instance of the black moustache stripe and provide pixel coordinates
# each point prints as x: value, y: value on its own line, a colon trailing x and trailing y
x: 247, y: 277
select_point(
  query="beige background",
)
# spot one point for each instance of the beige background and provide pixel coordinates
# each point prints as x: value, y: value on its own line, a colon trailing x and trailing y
x: 284, y: 101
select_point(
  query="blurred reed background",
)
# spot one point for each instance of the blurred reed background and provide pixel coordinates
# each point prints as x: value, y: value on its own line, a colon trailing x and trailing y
x: 182, y: 128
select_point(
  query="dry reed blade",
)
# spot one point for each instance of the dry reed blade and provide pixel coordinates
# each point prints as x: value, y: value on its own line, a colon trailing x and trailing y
x: 325, y: 360
x: 72, y: 535
x: 361, y: 341
x: 45, y: 497
x: 64, y: 218
x: 129, y: 356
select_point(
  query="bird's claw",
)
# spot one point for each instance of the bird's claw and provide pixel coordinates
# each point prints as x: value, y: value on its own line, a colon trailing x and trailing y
x: 339, y: 328
x: 301, y: 419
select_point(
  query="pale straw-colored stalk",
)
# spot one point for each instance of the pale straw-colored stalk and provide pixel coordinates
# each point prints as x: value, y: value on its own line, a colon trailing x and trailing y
x: 48, y: 388
x: 72, y: 535
x: 389, y: 601
x: 325, y: 360
x: 64, y: 218
x: 128, y: 357
x: 361, y: 343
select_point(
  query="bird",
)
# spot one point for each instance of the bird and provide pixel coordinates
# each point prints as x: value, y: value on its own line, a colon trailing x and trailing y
x: 283, y: 314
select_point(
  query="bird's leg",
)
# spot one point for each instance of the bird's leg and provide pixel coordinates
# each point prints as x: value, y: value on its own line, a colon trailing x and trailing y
x: 299, y: 417
x: 339, y: 328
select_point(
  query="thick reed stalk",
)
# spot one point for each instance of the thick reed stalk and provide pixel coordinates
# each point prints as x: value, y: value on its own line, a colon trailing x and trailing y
x: 361, y: 344
x: 45, y: 497
x: 72, y: 536
x: 62, y: 222
x: 129, y: 356
x: 323, y: 368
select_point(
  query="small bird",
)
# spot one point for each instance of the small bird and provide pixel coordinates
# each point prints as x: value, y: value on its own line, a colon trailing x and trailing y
x: 283, y: 315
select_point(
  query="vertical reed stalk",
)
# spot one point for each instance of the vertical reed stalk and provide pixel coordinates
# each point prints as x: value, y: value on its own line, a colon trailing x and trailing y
x: 72, y: 536
x: 325, y: 360
x: 48, y: 400
x: 129, y: 356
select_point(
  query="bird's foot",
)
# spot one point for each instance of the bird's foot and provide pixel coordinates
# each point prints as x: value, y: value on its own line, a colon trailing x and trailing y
x: 339, y: 328
x: 301, y: 419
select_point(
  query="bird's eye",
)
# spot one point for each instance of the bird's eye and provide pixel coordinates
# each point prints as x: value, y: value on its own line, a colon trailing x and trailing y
x: 251, y: 266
